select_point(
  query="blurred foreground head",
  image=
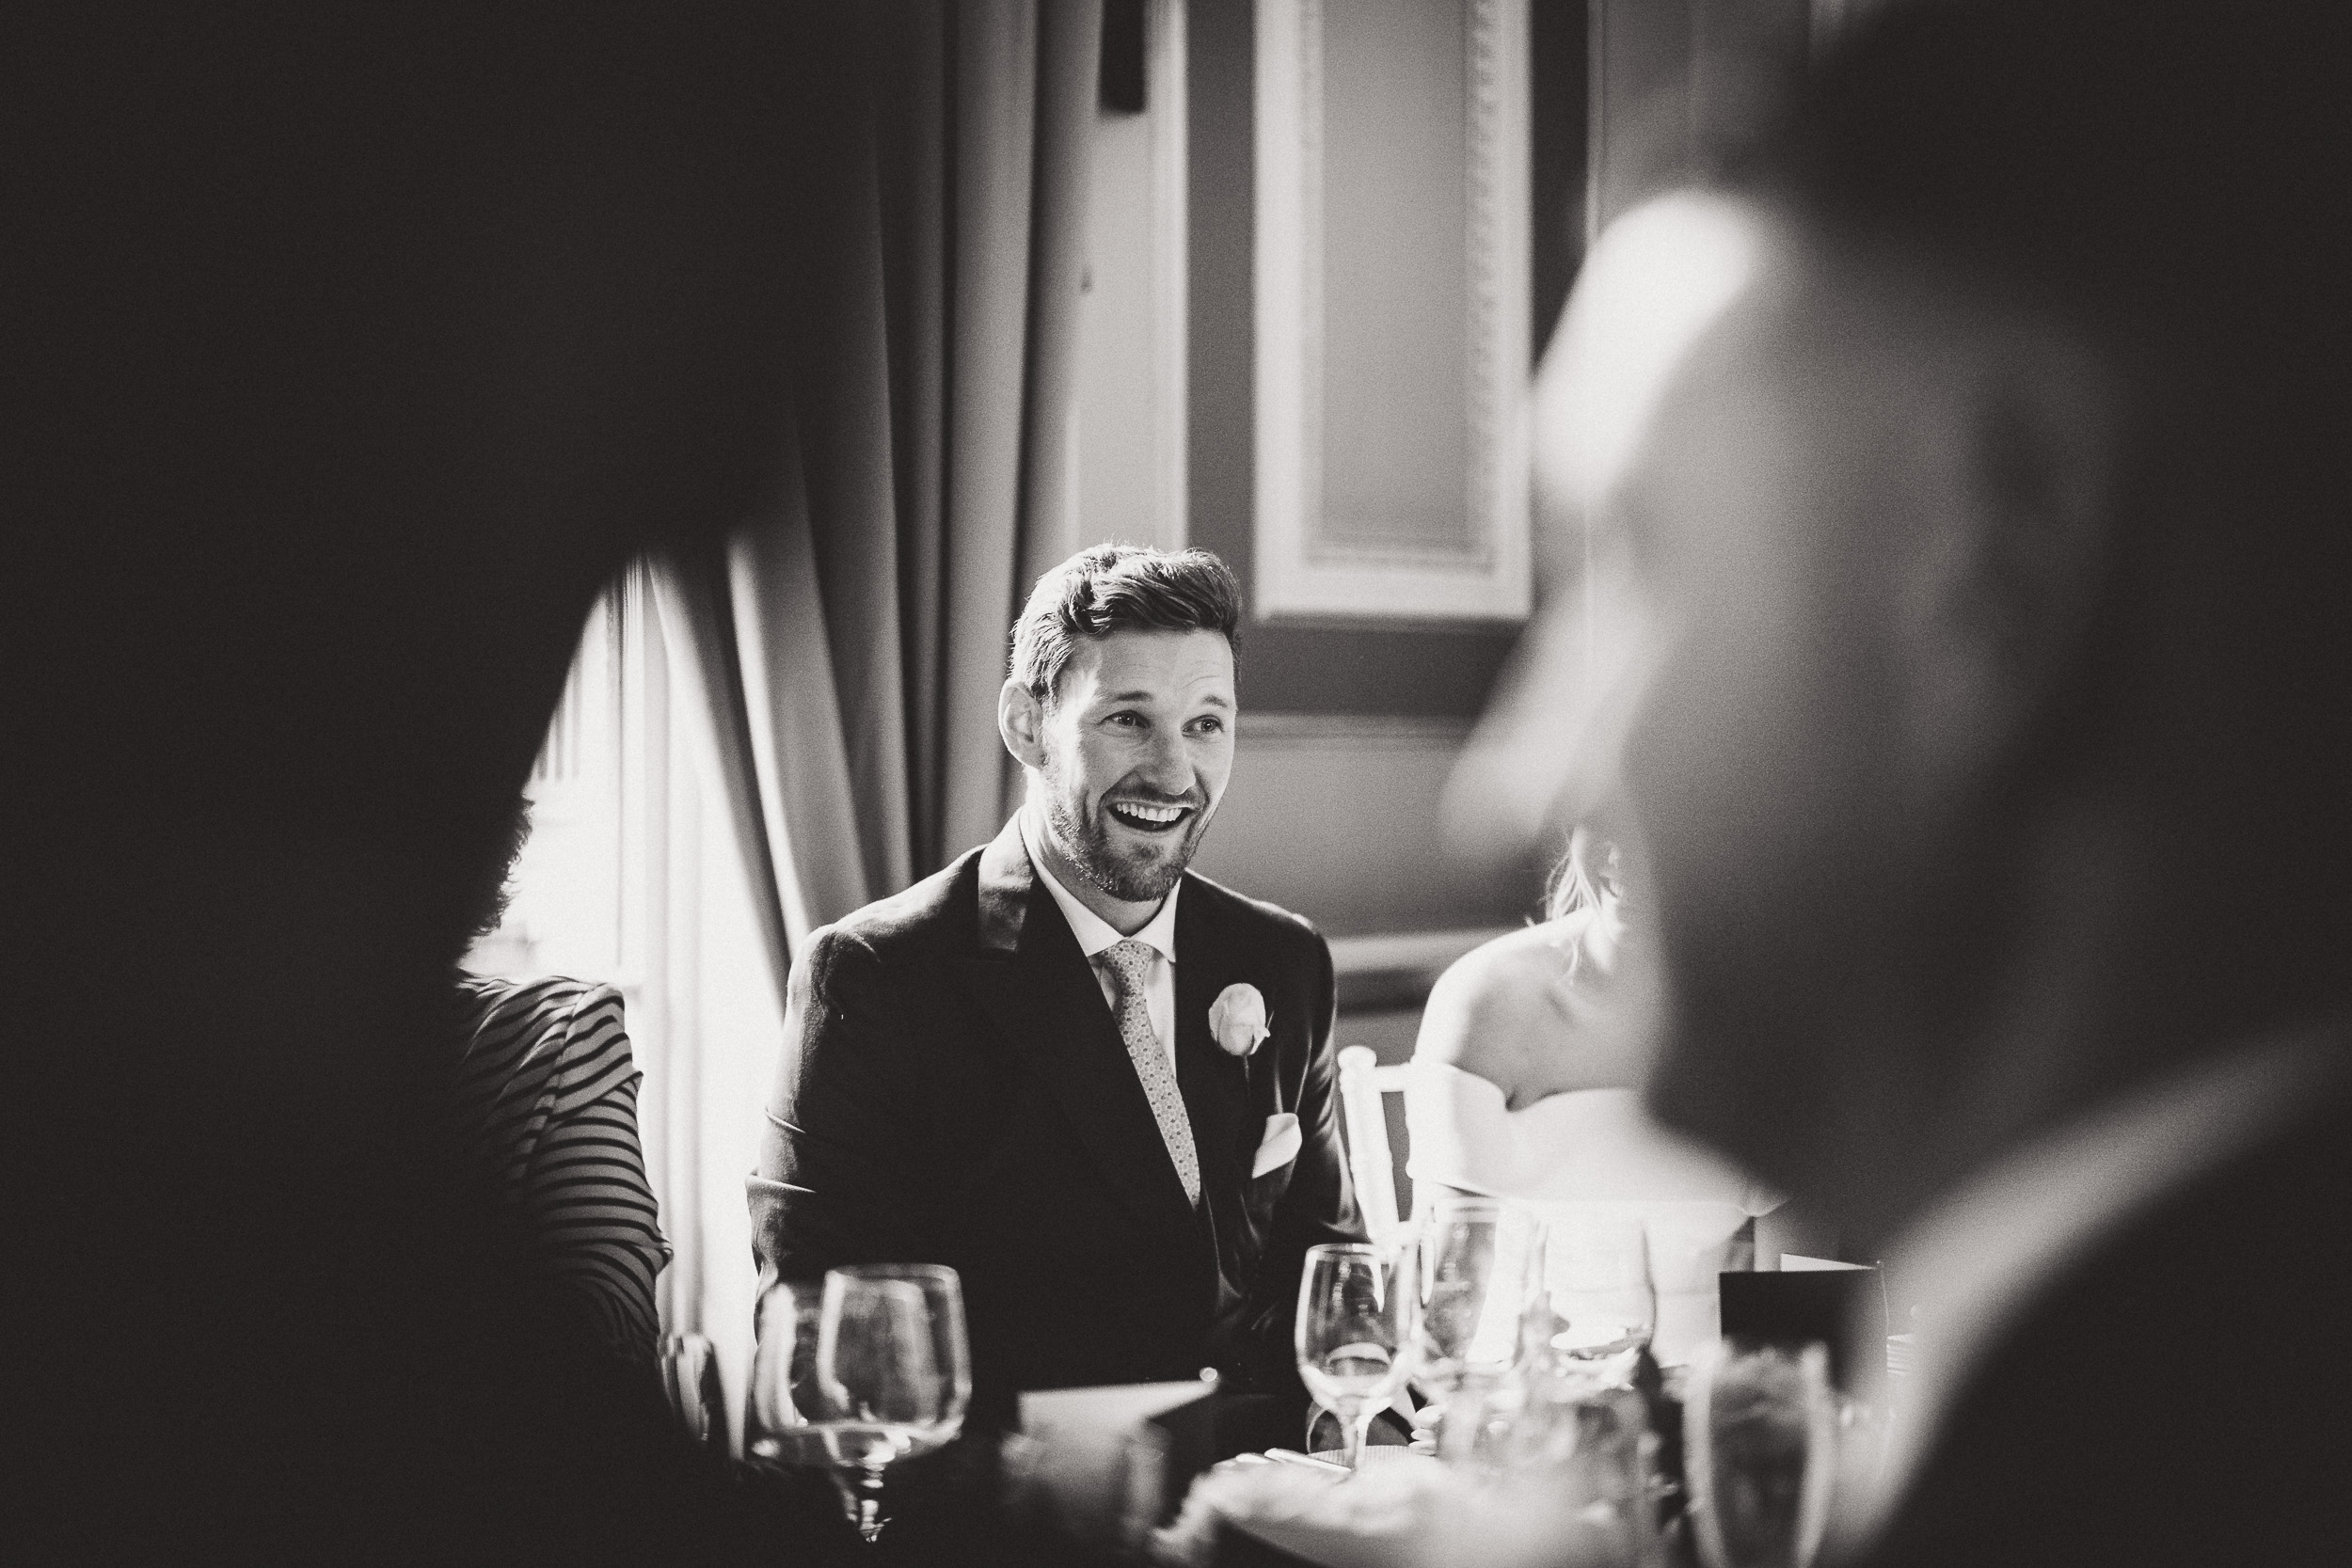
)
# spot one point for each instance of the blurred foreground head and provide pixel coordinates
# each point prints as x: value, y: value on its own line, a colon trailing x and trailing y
x: 348, y: 351
x: 1965, y: 627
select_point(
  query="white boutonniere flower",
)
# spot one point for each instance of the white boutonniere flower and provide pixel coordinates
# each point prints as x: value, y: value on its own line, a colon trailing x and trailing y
x: 1238, y: 1020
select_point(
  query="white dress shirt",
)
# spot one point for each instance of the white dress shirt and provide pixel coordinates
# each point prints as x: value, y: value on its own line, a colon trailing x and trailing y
x: 1096, y: 937
x: 1978, y: 1258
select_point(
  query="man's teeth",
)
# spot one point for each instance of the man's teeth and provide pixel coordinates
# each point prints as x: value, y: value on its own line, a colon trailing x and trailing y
x: 1156, y: 816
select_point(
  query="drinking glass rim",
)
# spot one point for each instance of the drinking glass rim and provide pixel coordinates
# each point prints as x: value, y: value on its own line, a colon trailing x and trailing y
x: 1466, y: 1202
x: 1348, y: 1249
x: 935, y: 1272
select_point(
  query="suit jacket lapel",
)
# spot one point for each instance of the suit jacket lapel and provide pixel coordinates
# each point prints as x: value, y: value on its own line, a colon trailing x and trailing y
x: 1216, y: 1087
x: 1037, y: 989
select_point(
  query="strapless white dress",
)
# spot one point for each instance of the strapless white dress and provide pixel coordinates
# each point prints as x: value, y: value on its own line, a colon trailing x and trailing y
x: 1587, y: 1156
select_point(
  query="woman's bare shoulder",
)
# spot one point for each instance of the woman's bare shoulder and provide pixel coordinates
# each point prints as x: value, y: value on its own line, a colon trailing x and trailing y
x: 1496, y: 1009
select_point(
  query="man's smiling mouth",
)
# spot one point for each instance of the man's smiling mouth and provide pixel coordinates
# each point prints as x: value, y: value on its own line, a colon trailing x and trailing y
x: 1146, y: 817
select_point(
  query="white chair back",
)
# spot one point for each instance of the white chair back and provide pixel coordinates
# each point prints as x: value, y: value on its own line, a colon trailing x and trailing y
x: 1363, y: 1082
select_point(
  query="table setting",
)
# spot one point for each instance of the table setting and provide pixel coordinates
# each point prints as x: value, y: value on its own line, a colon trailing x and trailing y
x: 1548, y: 1434
x: 1544, y: 1429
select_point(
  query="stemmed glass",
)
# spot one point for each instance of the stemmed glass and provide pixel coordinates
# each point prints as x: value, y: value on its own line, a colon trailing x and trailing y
x: 1358, y: 1307
x: 889, y: 1376
x: 1474, y: 1283
x: 1759, y: 1435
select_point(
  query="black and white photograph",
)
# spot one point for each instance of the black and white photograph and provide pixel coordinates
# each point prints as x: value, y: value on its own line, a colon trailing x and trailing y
x: 1177, y: 783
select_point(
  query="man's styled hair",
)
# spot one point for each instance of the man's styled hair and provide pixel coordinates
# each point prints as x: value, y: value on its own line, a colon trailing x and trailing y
x: 1109, y: 588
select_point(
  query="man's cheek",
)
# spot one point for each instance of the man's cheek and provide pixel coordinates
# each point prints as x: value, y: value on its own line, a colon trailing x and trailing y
x: 1214, y: 775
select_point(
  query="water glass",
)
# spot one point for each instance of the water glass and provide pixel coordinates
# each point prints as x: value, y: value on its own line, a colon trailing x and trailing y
x: 1475, y: 1281
x: 1759, y: 1450
x: 1357, y: 1311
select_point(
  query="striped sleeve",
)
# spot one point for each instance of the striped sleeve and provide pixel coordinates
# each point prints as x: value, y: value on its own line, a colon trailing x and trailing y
x: 551, y: 1087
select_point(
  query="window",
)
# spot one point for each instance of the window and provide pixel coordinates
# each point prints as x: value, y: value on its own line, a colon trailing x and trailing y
x: 631, y: 877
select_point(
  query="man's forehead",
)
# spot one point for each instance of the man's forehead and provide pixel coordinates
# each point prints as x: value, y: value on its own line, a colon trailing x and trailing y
x: 1141, y: 658
x: 1658, y: 285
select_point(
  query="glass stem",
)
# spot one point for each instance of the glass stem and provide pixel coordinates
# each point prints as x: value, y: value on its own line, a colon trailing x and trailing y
x: 861, y: 1499
x: 846, y: 1485
x: 870, y: 1516
x: 1452, y: 1417
x: 1354, y: 1429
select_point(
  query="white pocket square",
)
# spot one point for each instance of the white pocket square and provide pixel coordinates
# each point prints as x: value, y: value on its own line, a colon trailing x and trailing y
x: 1280, y: 1145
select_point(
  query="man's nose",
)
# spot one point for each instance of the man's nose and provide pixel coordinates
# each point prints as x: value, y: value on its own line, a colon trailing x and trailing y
x: 1166, y: 766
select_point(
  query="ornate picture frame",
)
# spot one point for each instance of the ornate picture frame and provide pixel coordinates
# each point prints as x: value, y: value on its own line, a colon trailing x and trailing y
x: 1391, y: 270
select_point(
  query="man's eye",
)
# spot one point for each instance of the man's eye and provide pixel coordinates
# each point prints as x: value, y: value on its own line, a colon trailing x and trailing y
x: 1130, y: 719
x: 1208, y: 726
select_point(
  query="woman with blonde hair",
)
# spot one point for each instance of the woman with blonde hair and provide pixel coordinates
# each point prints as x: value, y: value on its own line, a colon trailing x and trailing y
x: 1524, y: 1088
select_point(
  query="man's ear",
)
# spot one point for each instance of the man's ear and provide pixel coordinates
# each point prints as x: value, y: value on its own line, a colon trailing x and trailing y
x: 1020, y: 719
x: 2015, y: 584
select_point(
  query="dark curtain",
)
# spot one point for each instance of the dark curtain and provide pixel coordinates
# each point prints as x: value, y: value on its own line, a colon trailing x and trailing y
x: 849, y: 637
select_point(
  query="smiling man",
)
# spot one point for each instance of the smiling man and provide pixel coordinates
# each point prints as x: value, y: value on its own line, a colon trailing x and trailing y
x: 1098, y: 1086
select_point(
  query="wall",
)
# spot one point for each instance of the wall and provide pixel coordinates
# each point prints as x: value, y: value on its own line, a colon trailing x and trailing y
x: 1433, y: 670
x: 1128, y: 452
x: 1337, y: 817
x: 1349, y: 728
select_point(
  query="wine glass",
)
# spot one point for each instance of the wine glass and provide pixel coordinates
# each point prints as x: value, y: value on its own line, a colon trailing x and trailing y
x: 1474, y: 1282
x: 1759, y: 1435
x: 1356, y: 1311
x: 1598, y: 1268
x: 879, y: 1372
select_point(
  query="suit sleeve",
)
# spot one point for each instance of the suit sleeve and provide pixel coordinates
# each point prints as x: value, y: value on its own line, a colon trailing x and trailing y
x: 1319, y: 1205
x: 839, y: 1153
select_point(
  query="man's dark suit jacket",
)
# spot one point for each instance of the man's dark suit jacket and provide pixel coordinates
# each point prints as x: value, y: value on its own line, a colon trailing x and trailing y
x: 954, y: 1090
x: 2182, y: 1395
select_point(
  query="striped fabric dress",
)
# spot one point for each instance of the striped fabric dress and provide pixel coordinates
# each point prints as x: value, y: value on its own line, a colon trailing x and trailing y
x: 547, y: 1106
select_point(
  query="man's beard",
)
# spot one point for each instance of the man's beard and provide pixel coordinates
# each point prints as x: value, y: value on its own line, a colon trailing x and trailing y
x: 1088, y: 845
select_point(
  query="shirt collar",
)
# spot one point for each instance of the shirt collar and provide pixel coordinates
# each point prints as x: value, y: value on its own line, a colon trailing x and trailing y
x: 1096, y: 935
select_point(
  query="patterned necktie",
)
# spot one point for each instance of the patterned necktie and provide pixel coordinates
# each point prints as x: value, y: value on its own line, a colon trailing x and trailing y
x: 1130, y: 962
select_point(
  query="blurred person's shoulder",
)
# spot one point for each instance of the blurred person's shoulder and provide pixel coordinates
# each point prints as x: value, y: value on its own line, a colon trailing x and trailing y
x: 2120, y: 1376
